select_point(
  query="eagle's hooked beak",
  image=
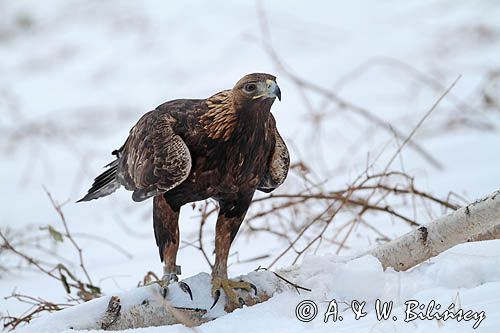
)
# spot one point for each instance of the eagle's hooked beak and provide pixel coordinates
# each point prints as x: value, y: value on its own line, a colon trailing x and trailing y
x: 273, y: 90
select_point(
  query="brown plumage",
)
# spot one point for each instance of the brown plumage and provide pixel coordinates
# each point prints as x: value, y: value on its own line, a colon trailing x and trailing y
x: 224, y: 147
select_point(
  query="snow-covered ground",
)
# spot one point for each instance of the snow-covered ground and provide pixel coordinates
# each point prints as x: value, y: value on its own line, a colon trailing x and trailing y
x: 97, y: 66
x: 466, y: 277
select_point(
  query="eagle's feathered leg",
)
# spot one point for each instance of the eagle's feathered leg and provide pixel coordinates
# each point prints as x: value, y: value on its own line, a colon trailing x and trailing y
x: 166, y: 227
x: 231, y: 215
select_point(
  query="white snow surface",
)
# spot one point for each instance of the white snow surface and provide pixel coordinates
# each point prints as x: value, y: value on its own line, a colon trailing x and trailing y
x: 111, y: 61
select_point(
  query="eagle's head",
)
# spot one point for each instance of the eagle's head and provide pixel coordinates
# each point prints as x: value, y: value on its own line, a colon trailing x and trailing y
x: 256, y: 88
x: 249, y: 102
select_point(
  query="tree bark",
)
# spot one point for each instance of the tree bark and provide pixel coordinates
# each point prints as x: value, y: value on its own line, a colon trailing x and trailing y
x: 492, y: 233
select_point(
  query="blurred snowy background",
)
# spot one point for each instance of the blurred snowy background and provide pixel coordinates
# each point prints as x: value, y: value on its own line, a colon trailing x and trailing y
x: 76, y: 75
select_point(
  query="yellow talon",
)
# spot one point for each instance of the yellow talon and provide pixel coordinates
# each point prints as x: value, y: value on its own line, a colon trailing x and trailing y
x: 233, y: 299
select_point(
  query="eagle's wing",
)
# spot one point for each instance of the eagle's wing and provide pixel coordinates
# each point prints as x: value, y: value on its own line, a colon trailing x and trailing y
x: 279, y: 162
x: 154, y: 159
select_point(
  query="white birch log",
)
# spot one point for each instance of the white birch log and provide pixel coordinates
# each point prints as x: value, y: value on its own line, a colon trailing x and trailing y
x: 145, y: 306
x: 475, y: 221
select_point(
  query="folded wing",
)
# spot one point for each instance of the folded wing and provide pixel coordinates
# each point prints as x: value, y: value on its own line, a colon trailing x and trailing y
x: 154, y: 159
x: 279, y: 163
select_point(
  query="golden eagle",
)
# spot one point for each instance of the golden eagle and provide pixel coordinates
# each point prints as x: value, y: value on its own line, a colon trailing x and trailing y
x: 224, y: 147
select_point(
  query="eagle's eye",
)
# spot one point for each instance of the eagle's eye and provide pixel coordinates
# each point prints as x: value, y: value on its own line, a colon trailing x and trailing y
x: 250, y: 87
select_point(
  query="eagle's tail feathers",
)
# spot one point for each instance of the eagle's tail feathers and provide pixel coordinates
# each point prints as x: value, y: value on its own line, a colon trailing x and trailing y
x: 104, y: 184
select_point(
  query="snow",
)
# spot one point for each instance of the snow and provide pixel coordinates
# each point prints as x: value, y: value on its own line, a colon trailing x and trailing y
x: 98, y: 66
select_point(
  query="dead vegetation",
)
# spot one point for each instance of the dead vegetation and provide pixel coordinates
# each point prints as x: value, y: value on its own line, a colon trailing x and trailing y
x: 78, y: 289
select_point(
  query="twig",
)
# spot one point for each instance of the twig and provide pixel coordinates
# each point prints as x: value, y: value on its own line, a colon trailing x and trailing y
x: 58, y: 209
x: 296, y: 286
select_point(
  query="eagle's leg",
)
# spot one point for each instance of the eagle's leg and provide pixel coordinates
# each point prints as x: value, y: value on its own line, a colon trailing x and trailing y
x: 166, y: 227
x: 230, y: 217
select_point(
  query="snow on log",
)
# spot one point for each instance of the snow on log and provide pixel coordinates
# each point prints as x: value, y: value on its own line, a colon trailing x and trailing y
x: 476, y: 221
x: 145, y: 306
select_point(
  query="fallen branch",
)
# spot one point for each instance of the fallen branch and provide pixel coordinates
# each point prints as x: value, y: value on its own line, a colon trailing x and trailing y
x: 473, y: 222
x: 145, y: 306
